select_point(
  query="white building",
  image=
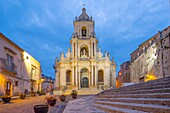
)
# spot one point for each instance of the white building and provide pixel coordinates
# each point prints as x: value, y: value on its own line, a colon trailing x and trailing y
x: 84, y: 65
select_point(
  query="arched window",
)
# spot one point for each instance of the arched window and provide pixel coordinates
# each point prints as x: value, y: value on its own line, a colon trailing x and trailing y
x: 84, y: 31
x: 100, y: 76
x: 68, y: 77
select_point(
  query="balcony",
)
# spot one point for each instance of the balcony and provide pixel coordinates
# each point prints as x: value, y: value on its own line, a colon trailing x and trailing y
x: 10, y: 70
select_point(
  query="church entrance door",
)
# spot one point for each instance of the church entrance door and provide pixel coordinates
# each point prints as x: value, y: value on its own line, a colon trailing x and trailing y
x: 85, y: 82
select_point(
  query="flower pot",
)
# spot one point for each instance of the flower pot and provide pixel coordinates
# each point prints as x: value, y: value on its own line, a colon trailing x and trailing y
x: 41, y: 108
x: 6, y: 99
x: 62, y: 98
x: 32, y: 94
x: 74, y: 96
x: 51, y: 102
x: 22, y: 96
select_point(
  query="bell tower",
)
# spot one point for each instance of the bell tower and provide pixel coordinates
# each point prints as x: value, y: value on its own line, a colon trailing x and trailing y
x: 84, y: 42
x: 84, y: 25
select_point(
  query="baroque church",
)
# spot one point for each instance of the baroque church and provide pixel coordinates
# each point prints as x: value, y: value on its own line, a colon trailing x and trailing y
x: 84, y: 65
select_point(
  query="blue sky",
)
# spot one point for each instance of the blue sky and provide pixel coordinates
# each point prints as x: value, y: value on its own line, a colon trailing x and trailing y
x: 43, y: 27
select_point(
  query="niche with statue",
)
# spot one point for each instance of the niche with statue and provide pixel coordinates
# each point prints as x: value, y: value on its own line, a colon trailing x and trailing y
x: 84, y: 52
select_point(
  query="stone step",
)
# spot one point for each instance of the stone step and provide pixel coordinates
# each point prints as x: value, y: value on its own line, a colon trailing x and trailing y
x: 135, y: 106
x: 161, y: 90
x: 149, y: 83
x: 144, y: 85
x: 111, y: 109
x: 138, y: 88
x: 162, y: 101
x: 152, y: 95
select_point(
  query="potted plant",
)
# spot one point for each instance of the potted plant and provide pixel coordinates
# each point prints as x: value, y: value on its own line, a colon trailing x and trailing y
x: 39, y: 93
x: 6, y: 98
x: 51, y: 100
x: 32, y: 93
x: 62, y: 97
x: 41, y: 108
x: 74, y: 94
x: 22, y: 95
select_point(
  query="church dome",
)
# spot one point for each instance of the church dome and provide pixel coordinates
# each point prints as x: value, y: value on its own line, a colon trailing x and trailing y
x: 83, y: 16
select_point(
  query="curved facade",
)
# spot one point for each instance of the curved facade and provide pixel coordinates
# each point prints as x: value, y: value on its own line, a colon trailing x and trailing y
x: 85, y: 66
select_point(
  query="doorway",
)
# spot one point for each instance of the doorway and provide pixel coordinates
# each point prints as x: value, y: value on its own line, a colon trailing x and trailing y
x: 8, y: 88
x: 85, y: 82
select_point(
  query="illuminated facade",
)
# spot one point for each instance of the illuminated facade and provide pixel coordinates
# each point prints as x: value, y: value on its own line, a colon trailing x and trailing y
x: 123, y: 74
x: 84, y: 65
x: 48, y: 83
x: 151, y: 60
x: 15, y: 70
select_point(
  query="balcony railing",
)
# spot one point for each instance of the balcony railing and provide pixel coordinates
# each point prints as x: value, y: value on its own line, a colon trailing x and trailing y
x: 7, y: 69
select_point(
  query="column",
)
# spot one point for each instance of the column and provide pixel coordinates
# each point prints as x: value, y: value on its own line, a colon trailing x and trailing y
x: 92, y: 75
x: 95, y: 49
x: 72, y: 75
x: 57, y: 78
x: 96, y: 77
x: 72, y: 50
x: 79, y: 79
x: 76, y: 76
x: 77, y: 50
x: 89, y: 78
x: 92, y: 49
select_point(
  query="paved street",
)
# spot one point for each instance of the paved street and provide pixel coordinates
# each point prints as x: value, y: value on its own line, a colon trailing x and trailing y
x: 26, y: 105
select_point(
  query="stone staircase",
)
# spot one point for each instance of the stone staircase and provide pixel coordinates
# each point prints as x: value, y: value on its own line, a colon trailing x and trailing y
x: 151, y: 96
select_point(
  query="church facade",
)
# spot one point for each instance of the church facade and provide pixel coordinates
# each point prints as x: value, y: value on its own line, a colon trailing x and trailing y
x: 84, y: 65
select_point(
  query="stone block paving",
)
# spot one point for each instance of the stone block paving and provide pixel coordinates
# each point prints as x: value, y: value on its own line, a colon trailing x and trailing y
x: 26, y: 105
x: 82, y: 105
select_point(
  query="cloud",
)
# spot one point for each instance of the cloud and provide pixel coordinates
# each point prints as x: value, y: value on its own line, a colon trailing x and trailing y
x: 44, y: 28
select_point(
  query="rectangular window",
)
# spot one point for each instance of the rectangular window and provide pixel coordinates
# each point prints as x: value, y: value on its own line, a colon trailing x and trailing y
x: 16, y: 83
x: 32, y: 73
x: 9, y: 62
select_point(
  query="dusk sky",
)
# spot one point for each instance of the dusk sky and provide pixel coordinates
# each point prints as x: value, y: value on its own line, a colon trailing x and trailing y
x: 43, y: 28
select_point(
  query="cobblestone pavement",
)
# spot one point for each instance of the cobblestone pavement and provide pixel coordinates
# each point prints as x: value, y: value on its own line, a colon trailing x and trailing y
x: 26, y: 105
x: 82, y: 105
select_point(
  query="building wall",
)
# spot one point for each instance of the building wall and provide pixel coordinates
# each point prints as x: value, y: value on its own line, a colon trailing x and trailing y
x: 18, y: 74
x: 11, y: 73
x: 123, y: 74
x: 32, y: 71
x: 151, y: 59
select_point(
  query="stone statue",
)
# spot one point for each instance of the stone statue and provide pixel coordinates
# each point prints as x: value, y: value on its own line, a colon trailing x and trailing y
x: 84, y: 51
x: 56, y: 59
